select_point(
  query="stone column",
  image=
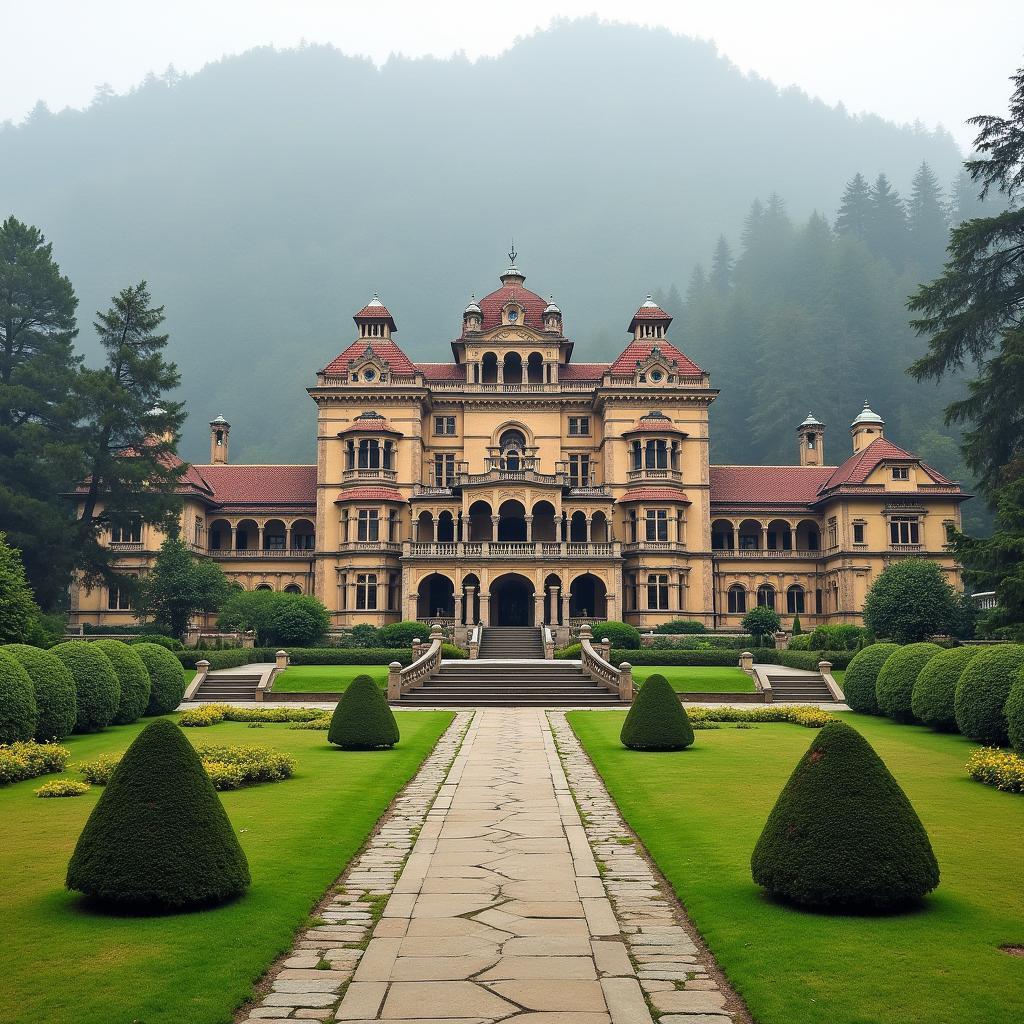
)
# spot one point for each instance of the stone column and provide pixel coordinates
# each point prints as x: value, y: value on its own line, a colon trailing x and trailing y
x: 529, y: 529
x: 485, y: 609
x: 433, y: 522
x: 538, y: 608
x: 764, y: 538
x: 458, y: 608
x: 234, y: 538
x: 288, y: 538
x: 259, y: 538
x: 494, y: 527
x: 590, y: 524
x: 565, y: 607
x: 470, y: 616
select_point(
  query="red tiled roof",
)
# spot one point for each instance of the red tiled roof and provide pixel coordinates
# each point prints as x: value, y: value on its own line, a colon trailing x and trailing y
x: 442, y: 371
x: 243, y: 485
x: 651, y: 424
x: 654, y: 494
x: 370, y: 494
x: 533, y: 306
x: 638, y: 351
x: 191, y: 479
x: 374, y: 311
x: 858, y: 467
x: 369, y: 424
x: 778, y: 485
x: 385, y: 349
x: 650, y: 312
x: 582, y: 371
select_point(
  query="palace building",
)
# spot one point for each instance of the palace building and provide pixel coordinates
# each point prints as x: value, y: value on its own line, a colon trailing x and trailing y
x: 514, y: 485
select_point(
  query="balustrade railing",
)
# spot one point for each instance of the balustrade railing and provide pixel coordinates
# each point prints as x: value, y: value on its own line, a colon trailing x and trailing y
x: 401, y: 680
x: 618, y: 680
x: 369, y: 474
x: 511, y: 549
x: 653, y: 474
x: 764, y: 553
x: 265, y: 552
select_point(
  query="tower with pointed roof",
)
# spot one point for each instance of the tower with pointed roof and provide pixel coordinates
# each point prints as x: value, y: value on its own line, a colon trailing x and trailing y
x: 219, y: 431
x: 811, y: 441
x: 866, y: 427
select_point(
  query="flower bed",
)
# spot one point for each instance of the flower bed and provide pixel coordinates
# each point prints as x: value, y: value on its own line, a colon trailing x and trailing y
x: 62, y: 787
x: 27, y: 759
x: 997, y: 768
x: 211, y: 714
x: 807, y: 716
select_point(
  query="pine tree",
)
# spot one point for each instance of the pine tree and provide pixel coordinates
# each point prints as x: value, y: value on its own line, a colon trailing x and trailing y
x: 887, y: 222
x: 721, y: 267
x: 39, y: 454
x: 927, y: 223
x: 964, y: 203
x: 18, y: 611
x: 855, y: 210
x: 132, y: 429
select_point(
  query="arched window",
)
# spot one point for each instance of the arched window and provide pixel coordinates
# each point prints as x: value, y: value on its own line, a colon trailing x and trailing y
x: 293, y: 588
x: 657, y: 454
x: 369, y: 453
x: 737, y: 600
x: 795, y: 600
x: 263, y: 586
x: 513, y: 447
x: 766, y: 596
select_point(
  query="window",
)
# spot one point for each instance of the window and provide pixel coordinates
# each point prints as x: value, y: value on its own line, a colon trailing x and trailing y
x: 904, y: 530
x: 657, y: 454
x: 369, y: 454
x: 127, y: 533
x: 118, y: 599
x: 197, y: 536
x: 817, y: 602
x: 579, y: 426
x: 579, y: 470
x: 293, y: 588
x: 795, y: 600
x: 858, y: 533
x: 444, y: 470
x: 657, y: 591
x: 657, y: 524
x: 368, y: 526
x: 737, y: 600
x: 766, y: 596
x: 392, y: 591
x: 634, y: 534
x: 833, y: 533
x: 901, y: 472
x: 273, y: 541
x: 444, y: 426
x: 366, y: 591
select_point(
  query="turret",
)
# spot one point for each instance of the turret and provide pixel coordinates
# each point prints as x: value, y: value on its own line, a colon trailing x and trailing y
x: 866, y: 428
x: 472, y: 316
x: 811, y: 441
x: 219, y: 430
x: 649, y: 321
x: 552, y: 317
x: 374, y: 320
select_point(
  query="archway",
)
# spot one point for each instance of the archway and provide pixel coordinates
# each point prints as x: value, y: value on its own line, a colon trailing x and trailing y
x: 780, y: 535
x: 470, y: 601
x: 220, y: 535
x: 535, y: 368
x: 553, y: 600
x: 513, y: 368
x: 446, y: 527
x: 588, y: 598
x: 511, y: 521
x: 578, y: 528
x: 435, y: 597
x: 425, y: 527
x: 722, y: 535
x: 808, y: 537
x: 480, y: 525
x: 599, y: 529
x: 247, y: 535
x: 512, y: 601
x: 489, y: 368
x: 303, y: 535
x: 750, y: 535
x: 274, y: 535
x: 544, y: 521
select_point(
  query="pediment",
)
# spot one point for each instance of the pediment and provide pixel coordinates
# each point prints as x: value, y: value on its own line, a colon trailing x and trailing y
x: 506, y: 333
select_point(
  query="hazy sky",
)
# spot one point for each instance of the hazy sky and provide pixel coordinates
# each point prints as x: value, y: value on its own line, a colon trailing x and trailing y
x: 939, y: 61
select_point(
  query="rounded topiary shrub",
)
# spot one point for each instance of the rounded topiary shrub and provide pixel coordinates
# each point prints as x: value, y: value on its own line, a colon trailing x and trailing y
x: 166, y: 677
x: 1014, y: 711
x: 18, y: 711
x: 363, y: 720
x: 54, y: 689
x: 862, y: 674
x: 133, y: 676
x: 843, y: 835
x: 621, y: 634
x: 159, y: 836
x: 97, y: 689
x: 895, y: 683
x: 932, y: 698
x: 657, y: 720
x: 402, y: 634
x: 982, y: 690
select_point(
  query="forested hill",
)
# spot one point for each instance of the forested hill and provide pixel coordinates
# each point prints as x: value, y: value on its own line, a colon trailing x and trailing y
x: 266, y: 197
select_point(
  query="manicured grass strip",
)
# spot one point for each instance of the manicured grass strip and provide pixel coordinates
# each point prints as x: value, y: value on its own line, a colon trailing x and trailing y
x: 698, y: 679
x: 700, y: 812
x: 190, y: 968
x: 326, y: 678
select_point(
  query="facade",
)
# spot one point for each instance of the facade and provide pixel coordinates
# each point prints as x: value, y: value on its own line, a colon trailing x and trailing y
x: 513, y: 485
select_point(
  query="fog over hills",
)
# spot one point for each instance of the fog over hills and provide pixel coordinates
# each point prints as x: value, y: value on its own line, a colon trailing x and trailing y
x: 266, y: 197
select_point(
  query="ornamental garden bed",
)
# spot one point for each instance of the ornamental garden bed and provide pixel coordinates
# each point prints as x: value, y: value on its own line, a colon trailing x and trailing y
x: 700, y: 812
x: 197, y: 967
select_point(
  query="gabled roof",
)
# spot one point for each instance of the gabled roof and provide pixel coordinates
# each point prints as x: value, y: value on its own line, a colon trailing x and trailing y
x: 384, y: 349
x: 261, y: 485
x: 768, y: 485
x: 858, y: 467
x: 639, y: 351
x: 654, y: 494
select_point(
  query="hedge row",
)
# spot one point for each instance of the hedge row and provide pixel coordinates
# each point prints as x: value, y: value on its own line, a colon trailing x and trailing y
x: 764, y: 656
x: 807, y: 660
x: 308, y: 656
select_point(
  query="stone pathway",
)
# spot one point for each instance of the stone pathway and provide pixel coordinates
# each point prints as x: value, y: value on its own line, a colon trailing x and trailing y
x: 501, y: 912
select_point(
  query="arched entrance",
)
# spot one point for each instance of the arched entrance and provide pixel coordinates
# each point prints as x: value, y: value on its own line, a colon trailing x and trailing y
x: 511, y: 601
x: 588, y: 597
x: 435, y: 597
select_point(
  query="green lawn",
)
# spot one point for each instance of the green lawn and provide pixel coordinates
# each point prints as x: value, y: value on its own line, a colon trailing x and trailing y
x: 839, y: 675
x: 326, y: 678
x: 65, y: 963
x: 699, y: 679
x: 700, y: 812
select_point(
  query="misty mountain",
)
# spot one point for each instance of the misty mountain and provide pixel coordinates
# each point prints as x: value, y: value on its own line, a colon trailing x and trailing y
x: 267, y: 196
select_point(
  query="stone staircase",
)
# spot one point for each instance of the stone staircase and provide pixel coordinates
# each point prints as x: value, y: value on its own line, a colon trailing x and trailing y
x: 228, y: 687
x: 511, y: 683
x: 799, y: 689
x: 511, y: 642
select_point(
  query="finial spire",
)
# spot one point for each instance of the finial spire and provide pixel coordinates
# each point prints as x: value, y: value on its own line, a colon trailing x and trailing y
x: 513, y: 254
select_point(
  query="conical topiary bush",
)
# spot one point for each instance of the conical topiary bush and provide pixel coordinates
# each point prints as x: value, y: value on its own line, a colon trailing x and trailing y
x: 862, y: 674
x: 159, y: 836
x: 843, y: 835
x: 133, y: 676
x: 656, y: 721
x: 932, y: 699
x: 894, y: 686
x: 166, y: 676
x: 363, y: 720
x: 54, y: 688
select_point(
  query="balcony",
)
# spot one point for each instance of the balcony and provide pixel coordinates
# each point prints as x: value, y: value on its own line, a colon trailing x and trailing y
x: 647, y: 546
x: 378, y: 475
x: 502, y: 549
x: 906, y: 549
x: 757, y: 553
x: 635, y: 475
x: 262, y: 553
x: 125, y: 547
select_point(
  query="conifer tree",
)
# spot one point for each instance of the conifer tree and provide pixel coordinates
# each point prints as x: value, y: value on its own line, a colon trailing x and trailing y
x: 132, y: 429
x: 855, y: 209
x: 887, y: 222
x: 39, y: 454
x: 928, y: 227
x: 721, y: 267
